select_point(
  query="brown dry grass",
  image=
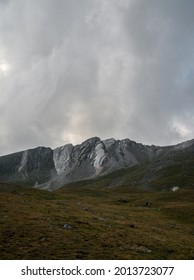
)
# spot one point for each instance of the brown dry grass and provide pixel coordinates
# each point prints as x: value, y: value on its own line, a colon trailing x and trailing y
x: 105, y: 224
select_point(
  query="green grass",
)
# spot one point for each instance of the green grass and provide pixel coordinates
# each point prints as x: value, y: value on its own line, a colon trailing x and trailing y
x: 106, y: 223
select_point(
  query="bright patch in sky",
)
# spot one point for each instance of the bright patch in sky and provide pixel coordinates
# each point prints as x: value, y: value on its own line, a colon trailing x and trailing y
x: 4, y: 67
x: 182, y: 129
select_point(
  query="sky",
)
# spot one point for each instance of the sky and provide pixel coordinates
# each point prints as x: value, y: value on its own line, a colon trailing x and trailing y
x: 71, y: 70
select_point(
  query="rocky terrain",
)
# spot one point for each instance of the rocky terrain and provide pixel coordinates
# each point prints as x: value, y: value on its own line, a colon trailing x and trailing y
x: 51, y: 169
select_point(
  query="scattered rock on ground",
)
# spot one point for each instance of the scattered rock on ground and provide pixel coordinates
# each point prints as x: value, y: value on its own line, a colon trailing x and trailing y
x: 67, y: 226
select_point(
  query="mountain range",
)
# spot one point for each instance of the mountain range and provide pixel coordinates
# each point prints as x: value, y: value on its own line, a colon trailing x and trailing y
x: 102, y: 199
x: 129, y: 163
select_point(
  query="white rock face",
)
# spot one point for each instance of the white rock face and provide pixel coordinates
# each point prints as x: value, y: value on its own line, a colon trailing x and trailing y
x: 62, y: 158
x: 99, y: 157
x: 23, y: 166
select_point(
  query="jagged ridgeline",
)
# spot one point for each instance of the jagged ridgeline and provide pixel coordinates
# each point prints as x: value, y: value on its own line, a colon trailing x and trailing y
x: 135, y: 164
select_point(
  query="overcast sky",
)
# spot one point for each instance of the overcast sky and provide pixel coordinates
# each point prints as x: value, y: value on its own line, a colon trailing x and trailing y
x: 73, y: 69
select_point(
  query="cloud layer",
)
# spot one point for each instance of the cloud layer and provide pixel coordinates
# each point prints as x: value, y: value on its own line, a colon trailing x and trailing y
x: 70, y: 70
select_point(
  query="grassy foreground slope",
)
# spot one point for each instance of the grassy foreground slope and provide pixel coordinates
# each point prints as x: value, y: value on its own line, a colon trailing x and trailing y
x: 89, y: 221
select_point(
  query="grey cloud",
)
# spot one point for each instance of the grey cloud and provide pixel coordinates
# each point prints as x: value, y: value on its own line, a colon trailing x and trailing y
x: 70, y: 70
x: 159, y: 36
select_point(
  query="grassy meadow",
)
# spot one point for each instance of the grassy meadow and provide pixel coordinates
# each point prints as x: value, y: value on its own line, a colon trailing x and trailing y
x: 87, y: 220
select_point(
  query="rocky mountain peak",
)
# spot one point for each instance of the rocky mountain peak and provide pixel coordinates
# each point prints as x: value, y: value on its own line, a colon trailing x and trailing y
x: 49, y: 168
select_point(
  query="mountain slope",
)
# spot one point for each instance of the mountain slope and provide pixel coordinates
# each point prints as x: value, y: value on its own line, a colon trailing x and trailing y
x: 51, y: 169
x: 95, y: 222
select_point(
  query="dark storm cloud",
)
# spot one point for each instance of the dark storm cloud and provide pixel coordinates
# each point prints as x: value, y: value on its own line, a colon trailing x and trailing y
x: 70, y: 70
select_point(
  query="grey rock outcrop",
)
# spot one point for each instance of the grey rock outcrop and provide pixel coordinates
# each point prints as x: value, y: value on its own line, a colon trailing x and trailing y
x: 34, y: 166
x: 51, y: 169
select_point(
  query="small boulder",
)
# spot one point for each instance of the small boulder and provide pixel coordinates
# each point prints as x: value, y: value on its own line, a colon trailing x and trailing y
x: 67, y: 226
x: 174, y: 189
